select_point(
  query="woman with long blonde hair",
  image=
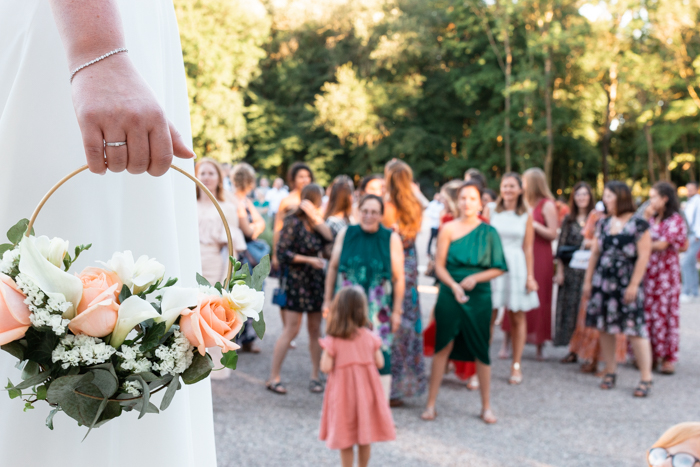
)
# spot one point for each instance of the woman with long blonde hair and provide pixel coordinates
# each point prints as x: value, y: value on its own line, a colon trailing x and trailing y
x: 545, y: 221
x: 404, y: 214
x: 680, y: 442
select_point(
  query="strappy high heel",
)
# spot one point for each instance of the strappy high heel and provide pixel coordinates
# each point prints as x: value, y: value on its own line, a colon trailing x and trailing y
x: 609, y: 381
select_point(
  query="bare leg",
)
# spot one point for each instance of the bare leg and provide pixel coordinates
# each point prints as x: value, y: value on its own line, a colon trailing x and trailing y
x: 347, y: 456
x: 313, y: 323
x: 363, y: 452
x: 290, y: 331
x: 484, y: 372
x: 437, y: 371
x: 518, y: 332
x: 642, y: 353
x: 607, y: 352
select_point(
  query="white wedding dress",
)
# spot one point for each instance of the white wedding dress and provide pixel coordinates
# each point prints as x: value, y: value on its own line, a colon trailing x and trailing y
x: 40, y: 142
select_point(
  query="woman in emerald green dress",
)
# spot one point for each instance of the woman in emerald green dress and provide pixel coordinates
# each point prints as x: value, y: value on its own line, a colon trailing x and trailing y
x: 469, y: 255
x: 371, y: 256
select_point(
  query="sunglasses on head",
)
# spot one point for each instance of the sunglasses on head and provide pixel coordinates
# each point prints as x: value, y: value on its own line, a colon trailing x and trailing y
x: 658, y: 456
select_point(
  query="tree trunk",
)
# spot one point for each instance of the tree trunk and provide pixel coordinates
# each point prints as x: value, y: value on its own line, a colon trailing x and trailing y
x: 667, y: 161
x: 609, y: 115
x: 508, y: 71
x: 548, y: 158
x: 650, y: 152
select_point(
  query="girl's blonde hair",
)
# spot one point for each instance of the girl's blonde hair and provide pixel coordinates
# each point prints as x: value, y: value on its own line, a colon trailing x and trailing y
x: 348, y: 313
x: 536, y: 186
x: 399, y: 180
x: 678, y: 434
x: 520, y: 207
x: 220, y: 191
x: 450, y: 193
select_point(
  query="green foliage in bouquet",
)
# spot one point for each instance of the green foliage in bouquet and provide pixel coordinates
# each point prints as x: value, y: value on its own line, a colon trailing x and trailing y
x: 95, y: 377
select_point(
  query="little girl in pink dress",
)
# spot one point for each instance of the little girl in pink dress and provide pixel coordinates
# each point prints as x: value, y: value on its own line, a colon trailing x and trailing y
x: 355, y: 408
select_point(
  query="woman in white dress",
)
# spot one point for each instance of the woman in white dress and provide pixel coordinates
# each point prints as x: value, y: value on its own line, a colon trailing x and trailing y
x: 125, y: 97
x: 515, y: 290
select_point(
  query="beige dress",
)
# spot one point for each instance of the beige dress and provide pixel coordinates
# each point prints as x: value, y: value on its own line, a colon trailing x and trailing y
x: 212, y: 238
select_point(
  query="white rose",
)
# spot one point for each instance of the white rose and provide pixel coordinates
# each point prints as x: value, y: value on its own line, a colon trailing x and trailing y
x: 52, y: 249
x: 52, y: 280
x: 132, y: 311
x: 175, y: 300
x: 139, y: 275
x: 247, y: 301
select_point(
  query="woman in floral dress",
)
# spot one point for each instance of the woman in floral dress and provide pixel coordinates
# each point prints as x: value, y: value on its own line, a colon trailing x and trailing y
x: 613, y: 284
x: 299, y: 252
x: 662, y: 285
x: 403, y: 214
x: 371, y: 256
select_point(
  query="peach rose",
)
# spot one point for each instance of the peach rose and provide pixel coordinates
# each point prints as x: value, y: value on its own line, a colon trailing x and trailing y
x: 213, y: 323
x: 14, y: 313
x: 98, y: 309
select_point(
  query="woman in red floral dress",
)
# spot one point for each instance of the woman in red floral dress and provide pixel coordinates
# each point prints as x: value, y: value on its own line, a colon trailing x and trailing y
x: 662, y: 285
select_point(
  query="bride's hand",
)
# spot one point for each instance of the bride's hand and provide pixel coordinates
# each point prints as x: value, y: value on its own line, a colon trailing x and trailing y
x: 113, y: 103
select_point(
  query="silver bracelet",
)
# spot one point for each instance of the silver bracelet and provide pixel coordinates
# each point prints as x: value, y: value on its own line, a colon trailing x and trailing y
x: 115, y: 51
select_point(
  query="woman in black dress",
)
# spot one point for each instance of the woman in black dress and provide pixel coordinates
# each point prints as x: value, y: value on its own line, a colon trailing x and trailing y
x: 613, y: 284
x: 570, y: 281
x: 299, y: 250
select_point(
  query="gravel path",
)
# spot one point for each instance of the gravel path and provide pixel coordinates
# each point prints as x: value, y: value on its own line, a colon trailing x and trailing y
x: 557, y: 417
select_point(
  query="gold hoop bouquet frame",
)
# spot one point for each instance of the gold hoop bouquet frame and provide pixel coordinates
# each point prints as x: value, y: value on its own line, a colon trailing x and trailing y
x: 206, y: 191
x: 94, y: 389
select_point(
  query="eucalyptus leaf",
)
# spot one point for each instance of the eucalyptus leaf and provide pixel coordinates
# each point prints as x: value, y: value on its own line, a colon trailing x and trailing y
x: 201, y: 280
x: 49, y: 419
x: 40, y: 346
x: 105, y: 381
x: 172, y: 281
x: 41, y: 392
x: 111, y: 411
x: 14, y: 393
x: 173, y: 386
x: 16, y: 231
x: 259, y: 326
x: 199, y: 369
x: 63, y: 391
x: 30, y: 369
x: 260, y: 273
x: 142, y: 403
x: 100, y: 409
x: 230, y: 359
x: 34, y: 380
x: 16, y: 349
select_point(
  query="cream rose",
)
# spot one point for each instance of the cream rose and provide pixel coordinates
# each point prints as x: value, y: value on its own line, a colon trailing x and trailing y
x: 14, y: 313
x: 138, y: 275
x: 213, y: 323
x: 245, y: 300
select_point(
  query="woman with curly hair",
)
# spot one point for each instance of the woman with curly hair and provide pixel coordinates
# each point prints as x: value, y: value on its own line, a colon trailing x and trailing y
x: 403, y: 214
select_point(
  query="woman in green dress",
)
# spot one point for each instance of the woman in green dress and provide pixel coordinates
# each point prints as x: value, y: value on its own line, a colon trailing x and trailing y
x: 371, y: 256
x: 469, y: 255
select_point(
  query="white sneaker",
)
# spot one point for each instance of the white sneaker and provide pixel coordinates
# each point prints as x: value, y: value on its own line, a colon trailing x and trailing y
x: 685, y: 299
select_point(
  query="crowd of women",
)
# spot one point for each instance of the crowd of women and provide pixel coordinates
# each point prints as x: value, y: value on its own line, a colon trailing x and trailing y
x: 497, y: 260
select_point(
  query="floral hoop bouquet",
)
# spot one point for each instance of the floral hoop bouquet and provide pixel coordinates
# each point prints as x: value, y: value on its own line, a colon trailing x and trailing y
x: 102, y: 342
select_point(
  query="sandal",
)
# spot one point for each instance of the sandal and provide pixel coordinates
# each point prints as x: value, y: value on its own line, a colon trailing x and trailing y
x: 667, y: 368
x: 590, y: 367
x: 429, y: 414
x: 395, y: 403
x: 248, y: 347
x: 316, y: 386
x: 643, y: 389
x: 571, y: 358
x: 488, y: 417
x: 277, y: 388
x: 608, y: 381
x: 473, y: 383
x: 514, y: 380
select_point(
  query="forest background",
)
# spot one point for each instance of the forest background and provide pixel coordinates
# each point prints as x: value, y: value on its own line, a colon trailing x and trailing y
x: 587, y: 91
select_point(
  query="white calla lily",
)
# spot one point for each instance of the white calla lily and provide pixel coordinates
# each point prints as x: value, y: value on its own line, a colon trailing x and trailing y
x: 132, y: 311
x: 175, y: 300
x: 137, y: 275
x: 53, y: 249
x: 52, y: 280
x: 245, y: 300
